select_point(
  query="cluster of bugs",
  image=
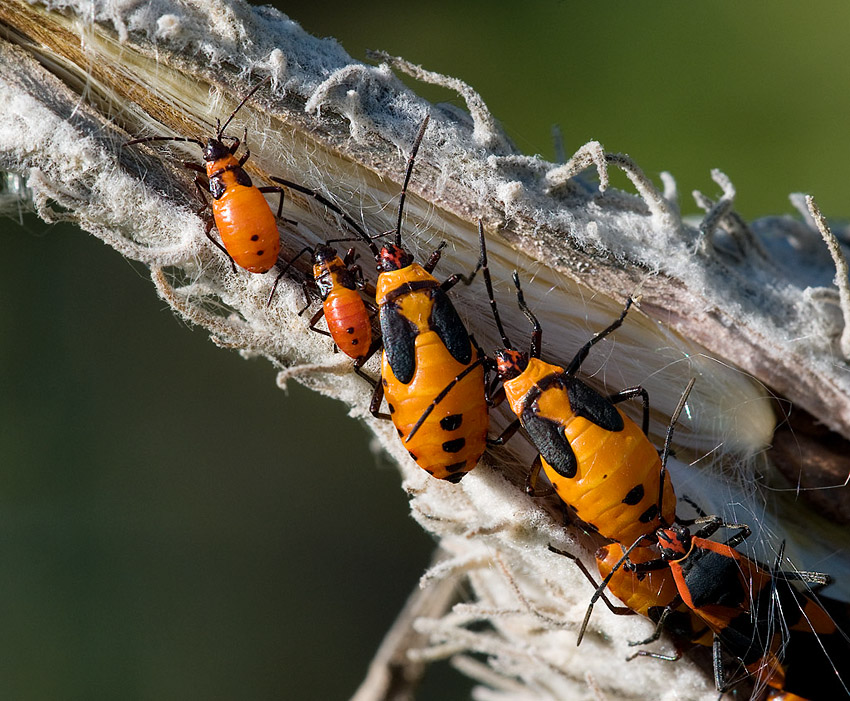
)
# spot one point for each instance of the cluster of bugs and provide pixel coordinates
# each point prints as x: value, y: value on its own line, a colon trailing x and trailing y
x: 434, y: 378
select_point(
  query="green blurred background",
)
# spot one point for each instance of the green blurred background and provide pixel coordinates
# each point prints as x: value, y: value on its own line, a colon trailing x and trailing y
x: 172, y: 526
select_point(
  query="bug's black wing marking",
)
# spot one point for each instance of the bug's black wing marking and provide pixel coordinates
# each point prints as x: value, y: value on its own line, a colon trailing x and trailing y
x: 589, y: 404
x: 712, y: 578
x: 446, y: 323
x: 399, y: 336
x: 549, y: 439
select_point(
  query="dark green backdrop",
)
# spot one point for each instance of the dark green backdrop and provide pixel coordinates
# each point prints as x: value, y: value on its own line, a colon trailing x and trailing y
x: 166, y: 527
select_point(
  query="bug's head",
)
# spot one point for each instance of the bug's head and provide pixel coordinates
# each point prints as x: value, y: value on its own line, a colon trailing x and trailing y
x: 393, y: 257
x: 510, y: 363
x: 215, y: 150
x: 323, y: 254
x: 674, y: 542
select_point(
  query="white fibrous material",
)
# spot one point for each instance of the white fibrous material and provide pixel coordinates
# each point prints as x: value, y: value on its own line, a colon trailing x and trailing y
x: 717, y: 299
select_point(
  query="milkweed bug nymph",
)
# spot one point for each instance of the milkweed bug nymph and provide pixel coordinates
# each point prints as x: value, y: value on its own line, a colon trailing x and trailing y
x: 245, y: 222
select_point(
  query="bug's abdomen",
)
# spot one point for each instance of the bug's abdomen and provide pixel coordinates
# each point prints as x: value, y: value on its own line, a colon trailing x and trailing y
x: 453, y: 437
x: 247, y: 227
x: 649, y: 593
x: 615, y: 488
x: 348, y: 321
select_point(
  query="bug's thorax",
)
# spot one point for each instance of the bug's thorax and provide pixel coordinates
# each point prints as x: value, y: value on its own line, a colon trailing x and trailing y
x: 518, y: 387
x: 331, y: 275
x: 675, y: 543
x: 396, y: 283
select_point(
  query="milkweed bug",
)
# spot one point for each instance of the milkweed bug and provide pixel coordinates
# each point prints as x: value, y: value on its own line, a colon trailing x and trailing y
x: 339, y: 281
x: 742, y: 601
x: 647, y: 594
x: 242, y: 216
x: 754, y: 613
x: 432, y: 372
x: 600, y: 463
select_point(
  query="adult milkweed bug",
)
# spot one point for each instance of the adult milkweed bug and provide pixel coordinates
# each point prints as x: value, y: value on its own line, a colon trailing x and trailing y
x: 242, y: 216
x: 742, y: 601
x: 600, y: 463
x: 432, y: 373
x: 646, y: 593
x: 783, y: 637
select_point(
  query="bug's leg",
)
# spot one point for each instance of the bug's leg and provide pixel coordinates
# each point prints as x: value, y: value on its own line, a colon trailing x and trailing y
x: 208, y: 228
x: 362, y: 360
x: 715, y: 523
x: 195, y: 167
x: 279, y: 190
x: 315, y: 320
x: 202, y: 189
x: 656, y: 655
x: 434, y: 258
x: 630, y: 393
x: 452, y: 280
x: 377, y: 398
x: 717, y: 665
x: 359, y: 281
x: 495, y: 394
x: 308, y: 298
x: 505, y: 436
x: 441, y: 396
x: 659, y: 626
x: 531, y: 481
x: 618, y: 610
x: 350, y: 257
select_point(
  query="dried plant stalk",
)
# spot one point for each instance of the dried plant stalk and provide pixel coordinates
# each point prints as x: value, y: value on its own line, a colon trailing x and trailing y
x: 716, y: 300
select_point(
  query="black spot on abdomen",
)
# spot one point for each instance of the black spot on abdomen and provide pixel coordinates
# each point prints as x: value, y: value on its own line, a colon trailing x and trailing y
x: 455, y: 445
x: 452, y: 422
x: 635, y: 496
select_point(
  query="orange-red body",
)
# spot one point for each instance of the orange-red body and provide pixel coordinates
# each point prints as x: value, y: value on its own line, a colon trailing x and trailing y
x: 784, y: 638
x: 422, y: 334
x: 649, y: 593
x: 616, y: 482
x: 345, y: 312
x: 245, y: 222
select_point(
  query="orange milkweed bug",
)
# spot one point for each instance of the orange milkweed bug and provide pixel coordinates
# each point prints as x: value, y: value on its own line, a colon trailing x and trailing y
x: 338, y: 281
x: 432, y: 372
x: 782, y: 637
x: 240, y: 213
x: 647, y: 594
x: 600, y: 463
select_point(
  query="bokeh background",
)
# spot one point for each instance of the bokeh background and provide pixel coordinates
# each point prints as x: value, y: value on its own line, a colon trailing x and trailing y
x: 172, y: 526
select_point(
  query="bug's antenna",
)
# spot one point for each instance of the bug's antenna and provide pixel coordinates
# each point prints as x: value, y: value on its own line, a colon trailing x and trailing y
x: 489, y: 284
x: 665, y: 453
x: 145, y: 139
x: 321, y: 199
x: 240, y: 105
x: 537, y: 334
x: 410, y: 160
